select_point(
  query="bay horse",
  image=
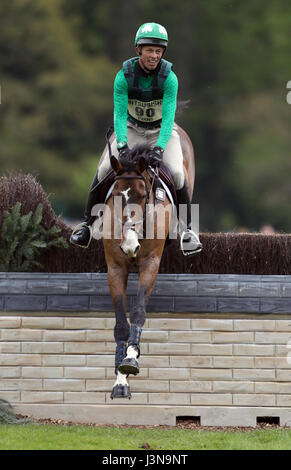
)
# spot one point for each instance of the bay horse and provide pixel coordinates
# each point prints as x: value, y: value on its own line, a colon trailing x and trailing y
x: 133, y: 185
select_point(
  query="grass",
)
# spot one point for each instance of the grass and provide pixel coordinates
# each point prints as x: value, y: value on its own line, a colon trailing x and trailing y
x: 50, y: 437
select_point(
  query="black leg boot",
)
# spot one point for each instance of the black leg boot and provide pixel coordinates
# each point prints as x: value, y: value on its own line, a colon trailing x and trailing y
x: 189, y: 240
x: 120, y: 390
x: 129, y: 364
x: 82, y: 234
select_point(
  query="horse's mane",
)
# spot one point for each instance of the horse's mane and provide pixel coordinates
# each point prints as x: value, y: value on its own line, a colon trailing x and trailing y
x: 129, y: 158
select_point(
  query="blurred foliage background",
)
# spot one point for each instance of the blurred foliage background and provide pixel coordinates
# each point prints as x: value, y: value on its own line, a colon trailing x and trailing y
x: 58, y: 60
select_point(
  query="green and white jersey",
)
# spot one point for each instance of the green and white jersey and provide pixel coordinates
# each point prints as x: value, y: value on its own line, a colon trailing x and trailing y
x: 147, y: 100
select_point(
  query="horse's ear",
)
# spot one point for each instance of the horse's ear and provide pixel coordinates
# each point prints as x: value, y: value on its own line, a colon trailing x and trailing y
x: 141, y: 165
x: 116, y: 165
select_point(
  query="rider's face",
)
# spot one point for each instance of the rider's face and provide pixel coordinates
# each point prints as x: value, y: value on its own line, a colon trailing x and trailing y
x: 150, y: 56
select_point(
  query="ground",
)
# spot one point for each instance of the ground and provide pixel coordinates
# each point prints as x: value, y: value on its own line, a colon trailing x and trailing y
x: 181, y: 424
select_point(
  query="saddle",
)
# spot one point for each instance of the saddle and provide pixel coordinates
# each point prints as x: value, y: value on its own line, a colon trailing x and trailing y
x: 165, y: 182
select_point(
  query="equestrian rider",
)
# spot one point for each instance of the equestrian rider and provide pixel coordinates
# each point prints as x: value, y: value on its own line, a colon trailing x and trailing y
x: 145, y: 100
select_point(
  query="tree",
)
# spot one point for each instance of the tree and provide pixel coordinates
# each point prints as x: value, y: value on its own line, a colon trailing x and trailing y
x: 56, y: 102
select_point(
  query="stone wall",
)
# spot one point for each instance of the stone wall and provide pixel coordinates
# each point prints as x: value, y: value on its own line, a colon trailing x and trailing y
x: 228, y: 367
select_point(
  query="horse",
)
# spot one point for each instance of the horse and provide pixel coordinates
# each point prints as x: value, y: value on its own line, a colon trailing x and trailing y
x: 133, y: 188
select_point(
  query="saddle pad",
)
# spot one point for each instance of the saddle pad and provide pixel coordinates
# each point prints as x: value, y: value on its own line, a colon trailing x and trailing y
x: 166, y: 176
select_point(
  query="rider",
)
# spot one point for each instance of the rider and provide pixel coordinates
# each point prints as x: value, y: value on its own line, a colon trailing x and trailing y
x: 145, y: 99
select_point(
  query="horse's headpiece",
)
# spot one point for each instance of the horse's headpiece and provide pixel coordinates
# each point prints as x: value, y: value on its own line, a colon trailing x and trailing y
x: 131, y: 160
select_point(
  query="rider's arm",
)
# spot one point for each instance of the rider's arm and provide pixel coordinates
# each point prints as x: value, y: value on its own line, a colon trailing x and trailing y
x: 168, y: 109
x: 120, y: 107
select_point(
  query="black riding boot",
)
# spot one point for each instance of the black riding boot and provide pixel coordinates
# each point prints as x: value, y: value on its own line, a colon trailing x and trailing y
x: 190, y: 243
x: 82, y: 234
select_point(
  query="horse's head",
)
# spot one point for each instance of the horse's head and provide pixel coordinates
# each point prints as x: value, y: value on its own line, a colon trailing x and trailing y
x: 130, y: 184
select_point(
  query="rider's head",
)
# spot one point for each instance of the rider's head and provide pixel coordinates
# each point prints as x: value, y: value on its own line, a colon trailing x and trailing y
x: 151, y: 41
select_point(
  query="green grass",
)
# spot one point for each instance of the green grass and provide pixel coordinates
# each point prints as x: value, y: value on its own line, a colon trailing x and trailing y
x: 50, y: 437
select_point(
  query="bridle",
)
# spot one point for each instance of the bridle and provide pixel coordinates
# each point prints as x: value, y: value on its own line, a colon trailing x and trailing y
x: 120, y: 176
x: 129, y: 177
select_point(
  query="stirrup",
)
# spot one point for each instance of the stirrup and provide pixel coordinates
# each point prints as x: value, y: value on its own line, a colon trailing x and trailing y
x: 191, y: 234
x: 78, y: 227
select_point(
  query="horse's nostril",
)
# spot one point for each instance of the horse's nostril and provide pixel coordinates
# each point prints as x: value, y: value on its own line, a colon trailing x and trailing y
x: 136, y: 249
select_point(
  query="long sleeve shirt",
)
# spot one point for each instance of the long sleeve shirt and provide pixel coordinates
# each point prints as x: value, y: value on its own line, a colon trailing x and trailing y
x: 169, y: 104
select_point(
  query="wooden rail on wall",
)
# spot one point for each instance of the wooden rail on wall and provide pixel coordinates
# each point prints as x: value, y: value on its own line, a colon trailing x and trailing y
x: 191, y: 293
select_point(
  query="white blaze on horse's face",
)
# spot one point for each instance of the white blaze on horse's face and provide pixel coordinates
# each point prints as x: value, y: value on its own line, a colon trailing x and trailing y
x: 125, y: 194
x: 132, y: 188
x: 130, y: 244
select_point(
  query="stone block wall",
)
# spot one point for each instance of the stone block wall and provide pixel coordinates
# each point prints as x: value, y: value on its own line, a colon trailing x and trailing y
x: 226, y: 368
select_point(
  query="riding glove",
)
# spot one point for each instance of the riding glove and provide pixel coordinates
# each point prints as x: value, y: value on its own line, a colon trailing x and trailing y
x: 123, y: 150
x: 156, y: 156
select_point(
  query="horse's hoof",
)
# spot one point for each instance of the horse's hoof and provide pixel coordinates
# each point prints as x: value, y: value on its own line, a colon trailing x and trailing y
x: 121, y: 391
x: 129, y: 366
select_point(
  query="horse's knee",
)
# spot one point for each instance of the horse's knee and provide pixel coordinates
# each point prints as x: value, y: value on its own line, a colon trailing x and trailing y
x: 138, y: 315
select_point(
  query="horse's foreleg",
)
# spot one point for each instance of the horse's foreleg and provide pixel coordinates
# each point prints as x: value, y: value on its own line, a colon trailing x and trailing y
x: 117, y: 281
x: 147, y: 275
x: 137, y: 318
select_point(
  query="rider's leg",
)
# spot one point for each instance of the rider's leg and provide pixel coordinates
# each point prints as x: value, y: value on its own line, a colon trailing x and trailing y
x: 135, y: 135
x: 82, y: 234
x: 173, y: 157
x: 190, y: 242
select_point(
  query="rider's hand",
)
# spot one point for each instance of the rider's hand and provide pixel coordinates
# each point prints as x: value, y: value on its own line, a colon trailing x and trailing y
x: 156, y: 157
x: 123, y: 150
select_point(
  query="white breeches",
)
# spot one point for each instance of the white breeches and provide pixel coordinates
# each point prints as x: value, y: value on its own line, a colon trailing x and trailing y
x: 172, y: 156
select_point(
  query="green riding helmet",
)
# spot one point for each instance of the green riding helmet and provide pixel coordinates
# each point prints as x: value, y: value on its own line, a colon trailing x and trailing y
x: 151, y: 33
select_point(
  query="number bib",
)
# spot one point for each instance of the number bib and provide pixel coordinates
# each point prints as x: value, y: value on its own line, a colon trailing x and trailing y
x: 145, y: 111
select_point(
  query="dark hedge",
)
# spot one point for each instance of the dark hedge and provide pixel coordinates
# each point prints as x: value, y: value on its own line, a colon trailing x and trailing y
x: 223, y: 253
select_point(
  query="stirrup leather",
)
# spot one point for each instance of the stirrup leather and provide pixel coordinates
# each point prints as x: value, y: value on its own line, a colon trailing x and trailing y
x: 78, y: 227
x: 188, y: 252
